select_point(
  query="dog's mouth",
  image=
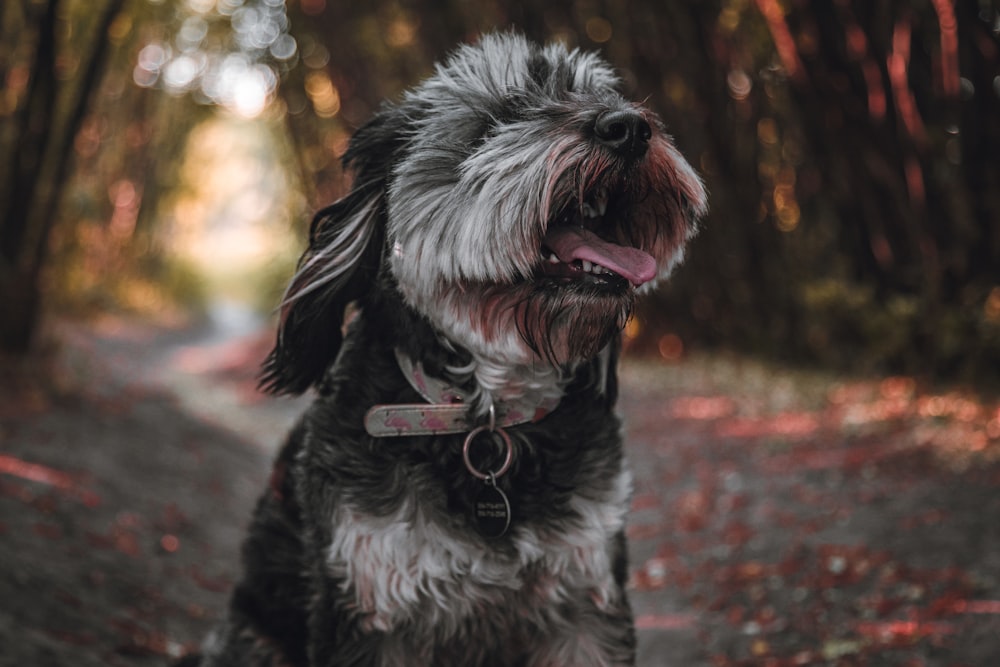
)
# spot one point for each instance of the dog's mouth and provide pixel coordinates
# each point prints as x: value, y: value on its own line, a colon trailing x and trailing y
x: 573, y: 250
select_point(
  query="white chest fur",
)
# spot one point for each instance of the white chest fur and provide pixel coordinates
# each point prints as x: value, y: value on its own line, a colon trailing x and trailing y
x: 406, y: 568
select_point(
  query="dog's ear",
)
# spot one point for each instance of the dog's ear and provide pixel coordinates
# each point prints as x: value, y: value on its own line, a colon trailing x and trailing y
x: 340, y: 265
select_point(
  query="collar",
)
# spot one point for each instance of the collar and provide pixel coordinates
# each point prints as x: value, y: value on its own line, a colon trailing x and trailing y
x: 447, y: 410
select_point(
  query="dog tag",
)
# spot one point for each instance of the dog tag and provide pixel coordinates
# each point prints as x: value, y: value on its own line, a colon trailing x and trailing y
x: 492, y: 511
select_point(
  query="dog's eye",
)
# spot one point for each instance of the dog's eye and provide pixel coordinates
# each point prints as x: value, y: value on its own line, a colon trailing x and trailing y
x: 554, y: 78
x: 539, y: 70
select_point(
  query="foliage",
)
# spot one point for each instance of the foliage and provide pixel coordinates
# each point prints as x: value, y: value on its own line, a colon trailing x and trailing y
x: 861, y: 137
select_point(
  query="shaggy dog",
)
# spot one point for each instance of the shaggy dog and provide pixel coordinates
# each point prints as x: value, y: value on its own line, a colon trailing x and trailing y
x: 457, y: 492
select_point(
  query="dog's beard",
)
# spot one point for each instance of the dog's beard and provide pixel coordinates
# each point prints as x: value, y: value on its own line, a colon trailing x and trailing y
x: 561, y: 326
x: 538, y: 321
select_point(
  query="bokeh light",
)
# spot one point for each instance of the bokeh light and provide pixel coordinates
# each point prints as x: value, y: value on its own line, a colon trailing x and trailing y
x: 241, y: 72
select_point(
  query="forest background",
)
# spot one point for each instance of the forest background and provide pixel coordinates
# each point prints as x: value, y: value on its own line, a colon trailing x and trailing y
x: 850, y: 149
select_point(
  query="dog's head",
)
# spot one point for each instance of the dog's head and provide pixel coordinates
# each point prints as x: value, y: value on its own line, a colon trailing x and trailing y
x: 516, y: 200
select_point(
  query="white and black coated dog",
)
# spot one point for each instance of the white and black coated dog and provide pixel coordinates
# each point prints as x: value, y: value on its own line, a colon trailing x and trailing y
x: 457, y: 493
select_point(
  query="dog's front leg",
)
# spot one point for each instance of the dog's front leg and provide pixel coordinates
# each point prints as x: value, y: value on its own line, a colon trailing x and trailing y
x: 597, y: 629
x: 336, y: 638
x: 591, y: 637
x: 340, y: 631
x: 340, y: 637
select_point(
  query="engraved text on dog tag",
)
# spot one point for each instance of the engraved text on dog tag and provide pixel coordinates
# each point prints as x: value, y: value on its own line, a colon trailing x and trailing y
x: 492, y: 511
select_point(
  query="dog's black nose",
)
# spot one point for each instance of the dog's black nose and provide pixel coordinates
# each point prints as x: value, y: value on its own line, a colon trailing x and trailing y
x: 625, y: 132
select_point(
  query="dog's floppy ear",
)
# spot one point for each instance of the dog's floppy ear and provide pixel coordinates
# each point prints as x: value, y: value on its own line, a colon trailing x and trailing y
x: 340, y: 265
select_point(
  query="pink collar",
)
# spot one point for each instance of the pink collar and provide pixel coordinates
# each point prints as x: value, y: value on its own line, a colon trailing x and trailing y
x: 446, y: 410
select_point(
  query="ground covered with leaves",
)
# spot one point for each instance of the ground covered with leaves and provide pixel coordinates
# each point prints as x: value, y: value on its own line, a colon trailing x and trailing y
x: 780, y: 518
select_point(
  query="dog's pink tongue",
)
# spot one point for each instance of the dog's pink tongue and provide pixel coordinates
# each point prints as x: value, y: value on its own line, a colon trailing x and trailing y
x: 571, y: 243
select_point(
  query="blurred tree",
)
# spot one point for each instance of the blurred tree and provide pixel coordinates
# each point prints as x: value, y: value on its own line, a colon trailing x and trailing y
x: 107, y: 250
x: 49, y: 72
x: 901, y: 115
x: 96, y: 102
x: 864, y: 135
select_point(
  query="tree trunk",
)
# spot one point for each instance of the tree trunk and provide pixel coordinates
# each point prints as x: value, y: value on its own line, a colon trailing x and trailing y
x: 19, y: 289
x: 39, y: 165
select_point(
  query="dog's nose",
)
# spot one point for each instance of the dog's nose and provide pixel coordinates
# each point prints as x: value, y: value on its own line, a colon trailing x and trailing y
x: 625, y: 132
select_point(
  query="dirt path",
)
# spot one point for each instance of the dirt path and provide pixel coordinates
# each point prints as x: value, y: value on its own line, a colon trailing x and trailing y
x: 779, y: 519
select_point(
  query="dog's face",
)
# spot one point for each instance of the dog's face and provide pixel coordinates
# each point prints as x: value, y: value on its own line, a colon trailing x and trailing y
x: 530, y: 193
x: 519, y: 201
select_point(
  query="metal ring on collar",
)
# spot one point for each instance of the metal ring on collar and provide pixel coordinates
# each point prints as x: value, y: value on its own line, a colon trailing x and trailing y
x: 508, y: 458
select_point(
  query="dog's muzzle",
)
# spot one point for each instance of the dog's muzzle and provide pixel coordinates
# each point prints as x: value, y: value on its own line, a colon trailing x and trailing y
x: 575, y: 248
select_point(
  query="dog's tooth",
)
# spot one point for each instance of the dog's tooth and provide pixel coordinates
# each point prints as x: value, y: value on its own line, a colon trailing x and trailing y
x: 601, y: 201
x: 587, y: 266
x: 553, y: 259
x: 589, y: 211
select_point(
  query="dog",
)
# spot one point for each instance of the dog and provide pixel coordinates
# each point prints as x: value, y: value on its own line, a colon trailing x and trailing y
x: 457, y: 492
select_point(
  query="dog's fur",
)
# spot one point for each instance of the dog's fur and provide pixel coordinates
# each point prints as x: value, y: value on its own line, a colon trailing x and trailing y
x: 365, y: 550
